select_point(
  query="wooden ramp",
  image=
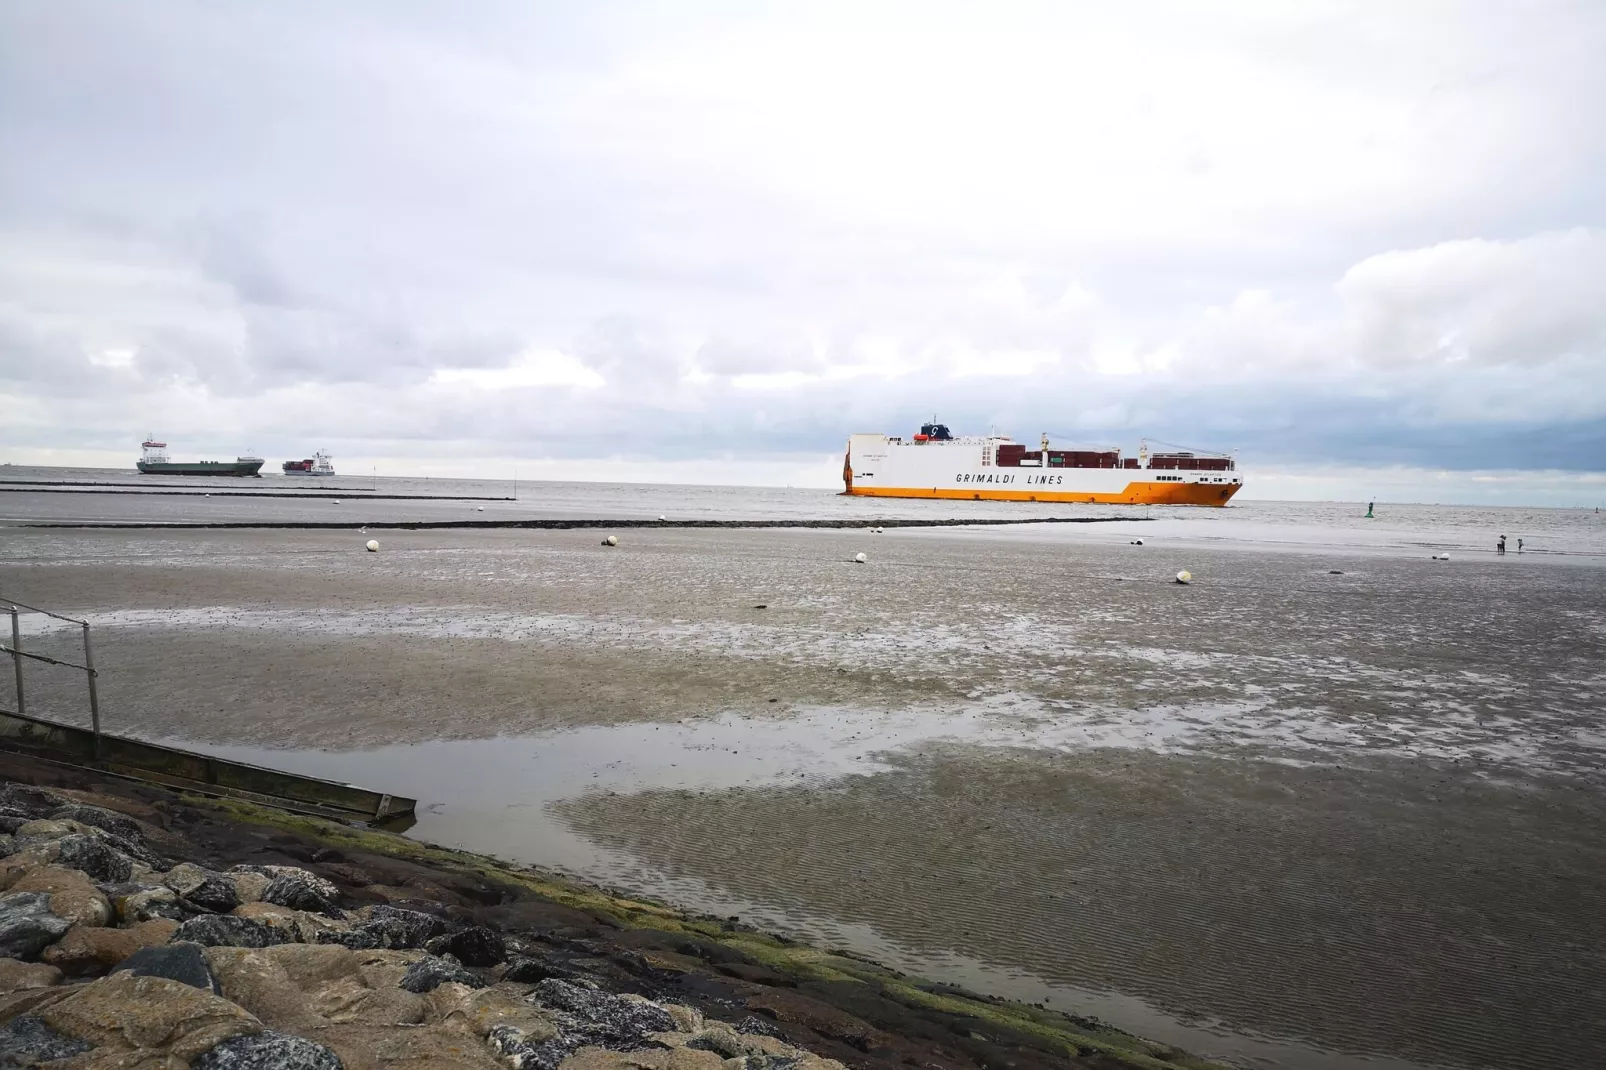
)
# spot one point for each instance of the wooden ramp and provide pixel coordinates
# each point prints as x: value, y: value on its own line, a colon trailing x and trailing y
x: 200, y: 774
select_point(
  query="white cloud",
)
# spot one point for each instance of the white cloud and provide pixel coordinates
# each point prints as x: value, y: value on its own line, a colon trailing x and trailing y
x: 534, y: 368
x: 1530, y: 302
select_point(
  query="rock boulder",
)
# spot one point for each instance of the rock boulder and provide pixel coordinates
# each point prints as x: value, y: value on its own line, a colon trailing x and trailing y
x: 90, y: 952
x: 27, y: 925
x: 18, y: 976
x: 429, y: 972
x: 72, y: 895
x: 294, y: 890
x: 387, y: 927
x: 268, y: 1051
x: 164, y: 1017
x: 203, y: 889
x: 27, y: 1041
x: 226, y: 930
x: 93, y: 856
x: 602, y: 1018
x: 474, y: 946
x: 174, y: 962
x: 133, y: 903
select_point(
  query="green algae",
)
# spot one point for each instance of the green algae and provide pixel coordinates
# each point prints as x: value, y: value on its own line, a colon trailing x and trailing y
x: 1076, y: 1037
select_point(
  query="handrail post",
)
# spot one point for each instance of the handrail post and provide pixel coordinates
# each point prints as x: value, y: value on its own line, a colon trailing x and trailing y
x: 94, y: 698
x: 16, y: 658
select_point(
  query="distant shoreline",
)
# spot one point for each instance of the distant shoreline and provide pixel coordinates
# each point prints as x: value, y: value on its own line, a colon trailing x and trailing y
x: 567, y: 525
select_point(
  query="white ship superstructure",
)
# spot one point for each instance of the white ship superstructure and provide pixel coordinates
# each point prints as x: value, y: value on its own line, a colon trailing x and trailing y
x: 935, y: 464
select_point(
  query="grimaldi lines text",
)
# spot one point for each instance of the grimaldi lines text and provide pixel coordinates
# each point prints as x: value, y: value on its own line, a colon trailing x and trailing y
x: 935, y: 464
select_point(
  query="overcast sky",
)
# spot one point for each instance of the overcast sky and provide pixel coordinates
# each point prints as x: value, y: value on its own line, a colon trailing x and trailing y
x: 1364, y: 245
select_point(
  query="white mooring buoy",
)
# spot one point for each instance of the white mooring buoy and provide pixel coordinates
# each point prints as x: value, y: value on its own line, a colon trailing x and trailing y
x: 1137, y: 542
x: 337, y: 501
x: 859, y: 559
x: 1184, y: 576
x: 480, y: 508
x: 373, y: 546
x: 660, y: 518
x: 611, y: 540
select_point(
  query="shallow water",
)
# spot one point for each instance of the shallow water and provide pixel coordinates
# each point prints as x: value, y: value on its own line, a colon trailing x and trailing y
x: 563, y: 798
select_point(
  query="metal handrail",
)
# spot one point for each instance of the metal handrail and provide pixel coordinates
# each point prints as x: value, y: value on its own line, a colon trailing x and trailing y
x: 18, y: 654
x: 46, y: 612
x: 46, y: 659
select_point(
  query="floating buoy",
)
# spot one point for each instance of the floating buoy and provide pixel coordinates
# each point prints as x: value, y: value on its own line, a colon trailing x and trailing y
x: 660, y: 519
x: 1444, y: 557
x: 1184, y: 576
x: 208, y: 495
x: 373, y: 546
x: 1137, y: 542
x: 337, y: 501
x: 480, y: 508
x: 362, y: 531
x: 859, y: 559
x: 880, y: 530
x: 611, y: 540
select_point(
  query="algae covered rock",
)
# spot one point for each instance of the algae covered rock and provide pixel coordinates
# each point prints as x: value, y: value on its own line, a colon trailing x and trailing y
x: 133, y: 903
x: 93, y: 856
x: 120, y: 825
x: 299, y: 890
x: 227, y: 930
x: 174, y: 962
x: 528, y: 970
x: 586, y: 1017
x: 474, y: 946
x: 203, y: 889
x: 430, y: 971
x: 268, y: 1051
x: 27, y: 1041
x: 27, y: 925
x: 387, y: 927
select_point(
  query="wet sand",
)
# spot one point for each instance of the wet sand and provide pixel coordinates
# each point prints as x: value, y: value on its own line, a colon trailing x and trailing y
x: 1286, y: 814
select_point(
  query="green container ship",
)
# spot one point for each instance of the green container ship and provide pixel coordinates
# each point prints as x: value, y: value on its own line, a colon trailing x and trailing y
x: 154, y: 462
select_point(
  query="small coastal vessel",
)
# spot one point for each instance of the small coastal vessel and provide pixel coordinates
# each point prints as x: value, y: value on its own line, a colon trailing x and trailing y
x: 319, y: 464
x: 153, y: 461
x: 935, y: 464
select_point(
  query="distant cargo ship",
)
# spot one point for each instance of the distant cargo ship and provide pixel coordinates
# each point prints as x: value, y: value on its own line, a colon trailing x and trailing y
x: 319, y: 464
x: 935, y: 464
x: 154, y: 462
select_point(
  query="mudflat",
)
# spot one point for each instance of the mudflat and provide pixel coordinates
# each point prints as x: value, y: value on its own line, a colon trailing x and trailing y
x: 1318, y: 805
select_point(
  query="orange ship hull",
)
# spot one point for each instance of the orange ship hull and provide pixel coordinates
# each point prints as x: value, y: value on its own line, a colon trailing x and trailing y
x: 1144, y: 493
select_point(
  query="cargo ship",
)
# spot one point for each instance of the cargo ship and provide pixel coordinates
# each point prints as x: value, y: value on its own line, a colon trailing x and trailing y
x: 935, y: 464
x: 153, y: 461
x: 319, y: 464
